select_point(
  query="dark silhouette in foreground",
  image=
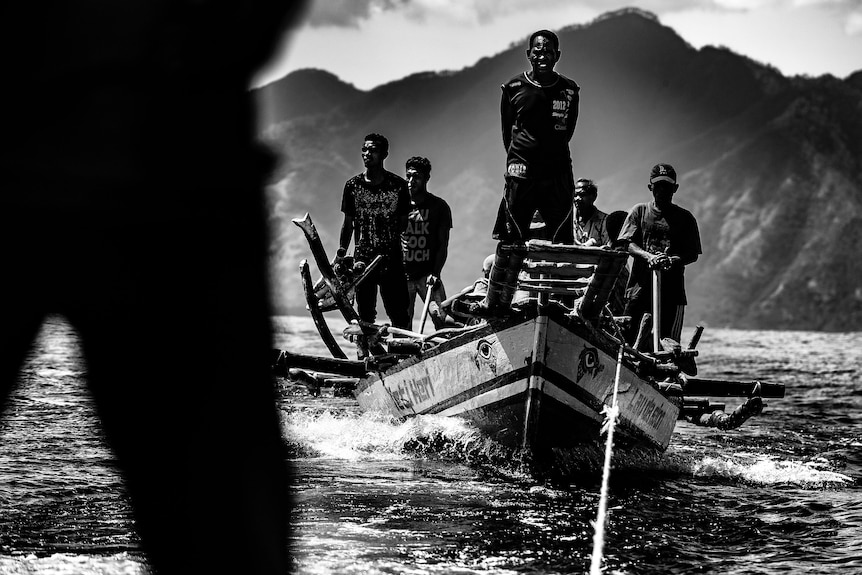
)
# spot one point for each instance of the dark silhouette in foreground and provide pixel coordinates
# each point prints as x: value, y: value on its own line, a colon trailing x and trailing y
x: 132, y: 205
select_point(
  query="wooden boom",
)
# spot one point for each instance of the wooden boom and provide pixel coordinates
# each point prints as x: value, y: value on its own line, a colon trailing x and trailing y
x: 698, y: 386
x: 347, y: 367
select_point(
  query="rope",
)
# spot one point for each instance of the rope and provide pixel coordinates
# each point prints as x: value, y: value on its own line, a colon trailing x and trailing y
x: 611, y: 414
x: 452, y: 331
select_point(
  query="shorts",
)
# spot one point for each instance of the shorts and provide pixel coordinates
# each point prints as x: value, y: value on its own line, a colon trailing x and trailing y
x: 551, y: 197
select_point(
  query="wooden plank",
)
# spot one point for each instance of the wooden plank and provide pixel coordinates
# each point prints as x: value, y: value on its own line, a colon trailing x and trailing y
x: 556, y: 282
x: 559, y: 270
x: 313, y: 305
x: 325, y: 267
x: 313, y: 237
x: 698, y: 386
x: 535, y: 384
x: 599, y: 290
x: 543, y: 250
x: 326, y: 380
x: 570, y: 291
x: 346, y: 367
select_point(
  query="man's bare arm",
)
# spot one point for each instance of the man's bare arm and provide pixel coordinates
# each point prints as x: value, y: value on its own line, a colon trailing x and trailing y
x: 506, y: 120
x: 653, y: 260
x: 346, y: 232
x: 442, y: 252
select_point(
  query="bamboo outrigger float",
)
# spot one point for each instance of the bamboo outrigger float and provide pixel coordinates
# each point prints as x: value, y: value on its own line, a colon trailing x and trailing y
x: 539, y: 377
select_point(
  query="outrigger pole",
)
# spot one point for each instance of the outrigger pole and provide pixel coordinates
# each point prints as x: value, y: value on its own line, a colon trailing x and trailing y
x: 346, y: 367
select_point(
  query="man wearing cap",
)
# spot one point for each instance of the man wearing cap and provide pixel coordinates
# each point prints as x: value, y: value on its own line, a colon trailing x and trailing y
x: 589, y: 223
x: 538, y: 113
x: 661, y: 236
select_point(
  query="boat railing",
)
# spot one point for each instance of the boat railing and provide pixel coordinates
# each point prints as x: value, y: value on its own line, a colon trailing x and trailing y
x: 582, y: 274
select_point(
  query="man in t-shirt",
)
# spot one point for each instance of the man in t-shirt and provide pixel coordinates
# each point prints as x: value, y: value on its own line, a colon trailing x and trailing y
x: 661, y: 236
x: 375, y: 205
x: 588, y: 223
x: 425, y: 243
x: 538, y: 114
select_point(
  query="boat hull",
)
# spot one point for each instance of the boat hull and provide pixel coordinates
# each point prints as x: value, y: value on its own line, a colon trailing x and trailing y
x: 536, y: 381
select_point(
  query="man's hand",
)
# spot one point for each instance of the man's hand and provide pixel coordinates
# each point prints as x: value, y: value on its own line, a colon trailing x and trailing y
x: 342, y: 264
x: 340, y: 253
x: 662, y: 262
x: 659, y: 261
x: 432, y: 280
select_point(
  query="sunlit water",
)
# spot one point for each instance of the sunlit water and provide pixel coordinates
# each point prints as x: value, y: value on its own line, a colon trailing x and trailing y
x: 783, y: 494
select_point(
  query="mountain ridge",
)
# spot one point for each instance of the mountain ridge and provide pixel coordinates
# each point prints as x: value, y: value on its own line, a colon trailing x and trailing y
x: 769, y: 165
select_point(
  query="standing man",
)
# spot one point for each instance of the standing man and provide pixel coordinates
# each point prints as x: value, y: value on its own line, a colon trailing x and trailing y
x: 425, y: 244
x: 662, y: 236
x: 375, y: 205
x: 589, y: 223
x: 538, y: 113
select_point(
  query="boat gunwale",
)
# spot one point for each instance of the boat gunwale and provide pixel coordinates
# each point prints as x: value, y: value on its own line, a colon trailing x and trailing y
x: 526, y: 313
x: 497, y: 324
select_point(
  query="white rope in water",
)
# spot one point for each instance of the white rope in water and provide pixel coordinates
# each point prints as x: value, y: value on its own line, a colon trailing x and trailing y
x: 611, y: 414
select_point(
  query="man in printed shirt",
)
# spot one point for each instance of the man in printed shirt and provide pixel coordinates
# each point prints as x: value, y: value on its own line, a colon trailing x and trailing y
x: 425, y: 243
x: 375, y: 205
x: 538, y: 113
x: 589, y: 222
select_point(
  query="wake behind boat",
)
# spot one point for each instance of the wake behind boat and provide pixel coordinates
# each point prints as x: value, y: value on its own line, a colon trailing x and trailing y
x: 537, y: 378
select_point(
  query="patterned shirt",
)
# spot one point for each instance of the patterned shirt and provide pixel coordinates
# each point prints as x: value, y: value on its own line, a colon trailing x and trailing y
x: 376, y: 212
x: 594, y: 228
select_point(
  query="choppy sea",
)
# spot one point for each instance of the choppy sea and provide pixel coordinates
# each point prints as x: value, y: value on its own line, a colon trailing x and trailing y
x: 782, y: 494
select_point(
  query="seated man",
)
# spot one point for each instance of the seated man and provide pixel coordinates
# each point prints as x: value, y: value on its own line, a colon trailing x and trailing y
x: 589, y: 224
x: 470, y: 294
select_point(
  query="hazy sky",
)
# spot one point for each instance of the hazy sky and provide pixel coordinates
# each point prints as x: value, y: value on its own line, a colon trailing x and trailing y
x: 370, y: 42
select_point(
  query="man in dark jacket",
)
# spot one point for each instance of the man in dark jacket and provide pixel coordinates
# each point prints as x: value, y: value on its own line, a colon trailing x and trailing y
x: 538, y: 112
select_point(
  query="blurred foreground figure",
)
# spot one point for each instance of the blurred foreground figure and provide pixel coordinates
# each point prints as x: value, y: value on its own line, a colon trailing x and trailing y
x: 132, y: 205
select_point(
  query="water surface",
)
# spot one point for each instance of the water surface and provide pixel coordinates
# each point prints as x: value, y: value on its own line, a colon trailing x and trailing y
x: 780, y: 495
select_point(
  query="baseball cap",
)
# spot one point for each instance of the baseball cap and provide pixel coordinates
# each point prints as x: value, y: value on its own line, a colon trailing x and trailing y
x: 662, y: 173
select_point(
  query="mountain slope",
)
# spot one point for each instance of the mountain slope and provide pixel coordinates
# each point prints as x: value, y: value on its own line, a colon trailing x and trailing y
x: 769, y: 165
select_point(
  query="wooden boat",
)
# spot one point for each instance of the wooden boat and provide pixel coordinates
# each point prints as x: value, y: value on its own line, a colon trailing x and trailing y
x: 537, y: 378
x: 541, y: 376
